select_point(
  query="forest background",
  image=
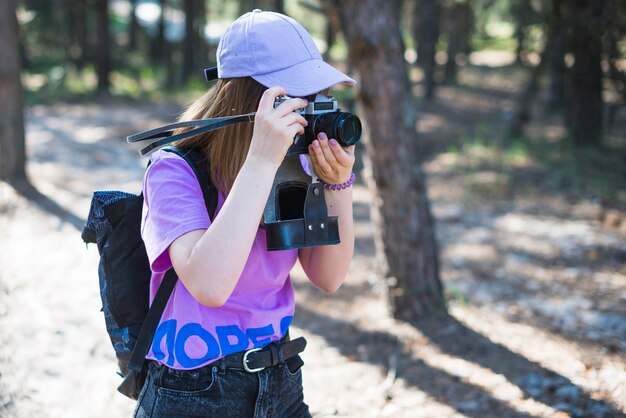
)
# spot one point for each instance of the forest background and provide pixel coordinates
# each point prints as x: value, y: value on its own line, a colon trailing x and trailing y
x: 489, y: 277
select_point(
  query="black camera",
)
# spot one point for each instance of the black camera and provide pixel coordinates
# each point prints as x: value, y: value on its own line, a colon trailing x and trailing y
x: 324, y: 115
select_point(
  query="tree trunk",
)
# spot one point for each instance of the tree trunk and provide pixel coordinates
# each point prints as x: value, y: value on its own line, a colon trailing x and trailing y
x: 554, y: 41
x: 133, y: 26
x: 157, y: 45
x: 79, y: 29
x: 202, y: 46
x: 12, y: 141
x: 459, y: 23
x: 618, y: 77
x: 520, y: 37
x: 556, y: 57
x: 60, y: 21
x: 521, y: 115
x: 426, y: 19
x: 584, y: 79
x: 189, y: 44
x: 246, y: 6
x: 103, y: 55
x: 522, y: 12
x: 405, y: 235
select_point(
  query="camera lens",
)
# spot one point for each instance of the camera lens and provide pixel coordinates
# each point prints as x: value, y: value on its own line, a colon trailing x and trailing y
x: 343, y: 126
x: 349, y: 128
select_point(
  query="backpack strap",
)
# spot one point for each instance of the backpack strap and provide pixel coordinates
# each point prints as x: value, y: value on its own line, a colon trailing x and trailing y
x: 149, y: 326
x: 199, y: 164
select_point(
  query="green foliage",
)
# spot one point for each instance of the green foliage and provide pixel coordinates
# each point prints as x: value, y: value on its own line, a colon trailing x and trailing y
x: 454, y: 296
x: 526, y: 168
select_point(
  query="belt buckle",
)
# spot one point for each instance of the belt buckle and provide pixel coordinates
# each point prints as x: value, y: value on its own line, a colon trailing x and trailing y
x: 245, y: 361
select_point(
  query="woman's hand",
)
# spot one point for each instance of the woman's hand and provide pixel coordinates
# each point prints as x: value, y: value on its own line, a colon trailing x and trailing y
x: 275, y: 128
x: 332, y: 163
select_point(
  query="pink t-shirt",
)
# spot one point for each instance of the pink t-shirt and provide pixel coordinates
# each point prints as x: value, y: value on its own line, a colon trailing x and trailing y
x: 191, y: 335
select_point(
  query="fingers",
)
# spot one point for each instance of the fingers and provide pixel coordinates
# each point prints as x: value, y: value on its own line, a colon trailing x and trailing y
x: 335, y: 153
x: 294, y: 117
x: 290, y: 105
x: 325, y: 146
x: 296, y: 129
x: 345, y: 157
x: 266, y: 103
x: 320, y: 165
x: 332, y: 163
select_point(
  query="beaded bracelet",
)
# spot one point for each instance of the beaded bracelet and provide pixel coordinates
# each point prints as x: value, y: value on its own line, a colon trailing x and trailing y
x: 341, y: 186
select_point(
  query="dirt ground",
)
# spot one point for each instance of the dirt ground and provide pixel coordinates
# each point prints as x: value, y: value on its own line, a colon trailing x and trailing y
x: 537, y: 288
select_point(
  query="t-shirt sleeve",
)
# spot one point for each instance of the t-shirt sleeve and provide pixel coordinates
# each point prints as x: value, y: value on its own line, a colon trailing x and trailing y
x: 173, y: 206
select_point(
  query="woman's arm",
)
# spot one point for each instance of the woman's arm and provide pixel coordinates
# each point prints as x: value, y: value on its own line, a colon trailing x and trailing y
x: 327, y: 265
x: 209, y: 262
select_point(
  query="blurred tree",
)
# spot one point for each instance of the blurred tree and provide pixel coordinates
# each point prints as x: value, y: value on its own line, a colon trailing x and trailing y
x: 583, y: 113
x: 550, y: 53
x: 157, y: 44
x: 12, y: 141
x: 279, y: 6
x: 522, y: 14
x: 556, y: 57
x: 247, y: 5
x: 78, y: 33
x: 102, y: 50
x: 190, y: 42
x: 133, y: 26
x: 201, y: 21
x: 615, y: 30
x: 426, y: 35
x: 274, y: 5
x: 330, y: 38
x: 405, y: 237
x: 459, y: 25
x: 195, y: 48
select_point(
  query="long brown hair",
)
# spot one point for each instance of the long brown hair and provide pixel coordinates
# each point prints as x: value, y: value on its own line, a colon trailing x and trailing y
x: 225, y: 148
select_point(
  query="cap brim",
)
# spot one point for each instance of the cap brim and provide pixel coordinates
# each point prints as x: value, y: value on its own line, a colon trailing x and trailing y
x: 305, y: 78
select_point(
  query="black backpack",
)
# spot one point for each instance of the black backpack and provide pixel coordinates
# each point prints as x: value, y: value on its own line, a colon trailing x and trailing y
x: 124, y: 272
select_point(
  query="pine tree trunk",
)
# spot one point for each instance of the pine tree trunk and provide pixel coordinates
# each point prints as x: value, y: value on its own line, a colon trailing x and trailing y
x: 279, y: 6
x: 522, y: 12
x: 459, y: 25
x: 157, y: 45
x: 78, y: 32
x: 426, y: 18
x: 405, y: 236
x: 584, y: 79
x: 103, y: 60
x: 246, y: 6
x: 520, y: 37
x: 133, y: 27
x: 556, y: 89
x: 202, y: 46
x: 12, y: 142
x: 189, y: 44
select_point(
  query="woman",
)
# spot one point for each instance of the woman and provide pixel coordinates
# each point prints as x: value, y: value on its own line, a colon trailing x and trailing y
x: 222, y: 347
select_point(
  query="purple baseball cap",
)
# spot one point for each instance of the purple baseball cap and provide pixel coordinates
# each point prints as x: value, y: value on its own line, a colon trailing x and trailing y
x: 275, y: 50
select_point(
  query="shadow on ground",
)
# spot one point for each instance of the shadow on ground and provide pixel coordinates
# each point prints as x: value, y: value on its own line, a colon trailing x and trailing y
x: 25, y: 189
x: 453, y: 338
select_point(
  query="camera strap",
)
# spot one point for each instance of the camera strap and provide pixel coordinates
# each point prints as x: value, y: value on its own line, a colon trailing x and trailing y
x: 164, y: 135
x: 315, y: 214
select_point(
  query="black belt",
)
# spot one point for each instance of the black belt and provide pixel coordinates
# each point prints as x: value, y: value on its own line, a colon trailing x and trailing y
x: 257, y: 359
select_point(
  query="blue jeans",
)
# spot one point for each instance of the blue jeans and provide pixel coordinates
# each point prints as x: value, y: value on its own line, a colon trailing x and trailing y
x: 214, y: 391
